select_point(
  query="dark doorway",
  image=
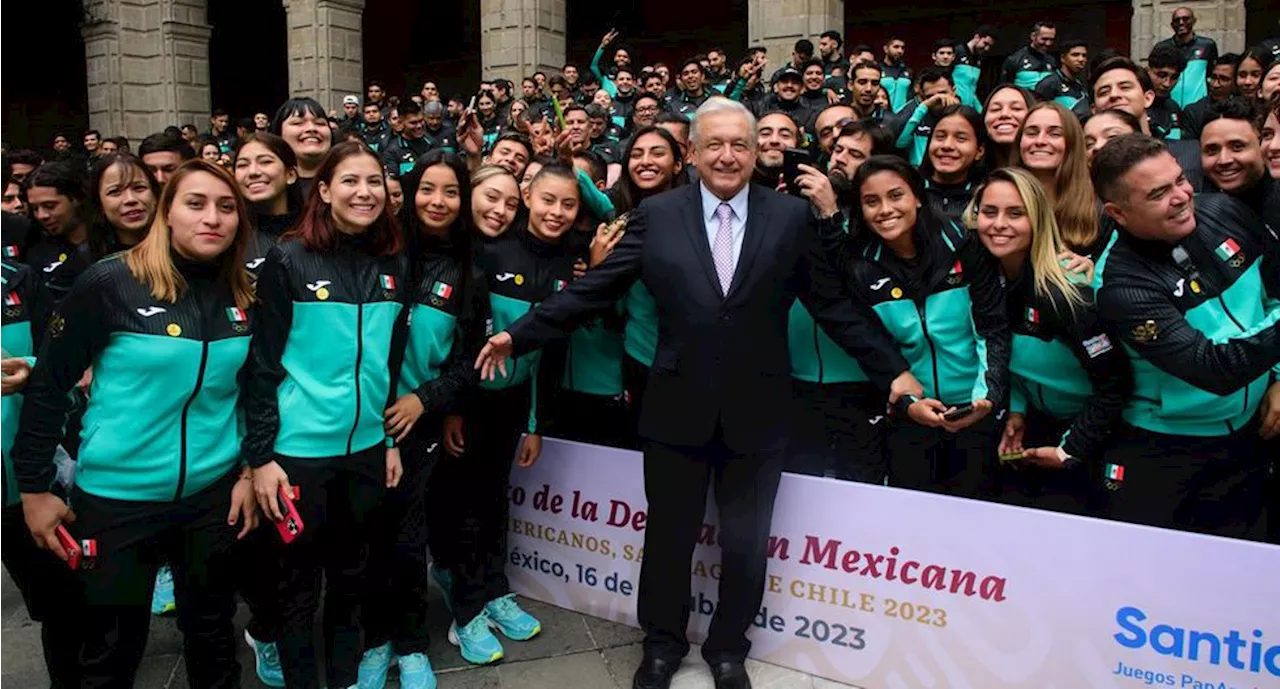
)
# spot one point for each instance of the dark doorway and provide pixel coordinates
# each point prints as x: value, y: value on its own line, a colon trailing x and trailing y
x: 407, y: 42
x: 44, y: 89
x: 656, y: 30
x: 248, y: 57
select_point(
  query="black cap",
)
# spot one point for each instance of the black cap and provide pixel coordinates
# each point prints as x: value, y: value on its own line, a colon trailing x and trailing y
x: 789, y: 73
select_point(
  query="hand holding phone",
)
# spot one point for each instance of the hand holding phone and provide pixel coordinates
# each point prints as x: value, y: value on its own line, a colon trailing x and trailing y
x: 291, y: 526
x: 69, y: 544
x: 959, y: 412
x: 792, y: 159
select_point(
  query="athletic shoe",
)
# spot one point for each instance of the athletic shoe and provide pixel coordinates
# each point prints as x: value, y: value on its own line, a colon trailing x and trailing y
x: 443, y: 579
x: 416, y: 673
x: 508, y: 617
x: 478, y: 645
x: 373, y: 667
x: 267, y: 660
x: 162, y: 601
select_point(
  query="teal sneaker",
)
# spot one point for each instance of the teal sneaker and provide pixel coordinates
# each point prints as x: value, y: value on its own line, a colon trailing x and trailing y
x: 443, y: 579
x: 416, y: 673
x: 478, y: 645
x: 267, y: 661
x: 508, y: 617
x: 162, y: 602
x: 372, y: 673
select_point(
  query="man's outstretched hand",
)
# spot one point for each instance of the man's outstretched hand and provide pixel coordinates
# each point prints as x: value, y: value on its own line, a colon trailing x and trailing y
x: 494, y: 356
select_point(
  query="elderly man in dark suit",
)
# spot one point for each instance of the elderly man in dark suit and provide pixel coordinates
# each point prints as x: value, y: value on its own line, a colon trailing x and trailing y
x: 725, y: 261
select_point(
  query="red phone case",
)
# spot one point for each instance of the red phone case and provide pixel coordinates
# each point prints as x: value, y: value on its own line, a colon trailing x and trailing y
x: 70, y: 545
x: 291, y: 526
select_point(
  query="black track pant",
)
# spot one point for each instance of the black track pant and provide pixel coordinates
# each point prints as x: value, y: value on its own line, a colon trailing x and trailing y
x: 933, y: 460
x: 838, y: 432
x: 193, y: 536
x: 52, y: 594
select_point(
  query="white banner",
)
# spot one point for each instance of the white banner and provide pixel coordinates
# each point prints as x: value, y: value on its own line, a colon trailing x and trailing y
x: 895, y: 589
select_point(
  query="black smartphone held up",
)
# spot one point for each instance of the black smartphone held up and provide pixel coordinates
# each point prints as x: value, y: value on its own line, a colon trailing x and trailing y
x: 959, y: 412
x: 792, y: 159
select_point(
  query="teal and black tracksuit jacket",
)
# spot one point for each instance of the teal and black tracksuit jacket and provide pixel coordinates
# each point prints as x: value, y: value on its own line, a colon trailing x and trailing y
x: 1060, y: 88
x: 522, y: 271
x: 323, y: 360
x: 949, y: 200
x: 1201, y: 53
x: 1165, y: 118
x: 1198, y: 320
x: 947, y: 312
x: 24, y: 317
x: 1064, y: 365
x: 446, y: 329
x: 915, y: 127
x: 965, y: 72
x: 266, y: 234
x: 1026, y: 67
x: 896, y: 80
x: 163, y: 415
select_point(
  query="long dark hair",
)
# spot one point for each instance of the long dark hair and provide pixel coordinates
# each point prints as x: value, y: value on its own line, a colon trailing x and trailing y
x: 296, y: 107
x: 102, y: 235
x: 283, y: 151
x: 968, y: 114
x: 68, y: 179
x: 626, y: 196
x: 315, y: 227
x: 457, y: 243
x: 927, y: 222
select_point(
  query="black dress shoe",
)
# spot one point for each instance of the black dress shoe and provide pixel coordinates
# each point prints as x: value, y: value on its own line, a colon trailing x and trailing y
x: 654, y: 673
x: 730, y: 676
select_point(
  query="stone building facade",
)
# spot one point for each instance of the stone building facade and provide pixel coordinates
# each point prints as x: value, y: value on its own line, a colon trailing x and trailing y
x: 148, y: 64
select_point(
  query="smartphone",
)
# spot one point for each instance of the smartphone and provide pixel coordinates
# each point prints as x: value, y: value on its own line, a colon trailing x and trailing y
x: 70, y: 545
x: 958, y: 413
x: 792, y: 159
x: 291, y: 526
x: 559, y: 113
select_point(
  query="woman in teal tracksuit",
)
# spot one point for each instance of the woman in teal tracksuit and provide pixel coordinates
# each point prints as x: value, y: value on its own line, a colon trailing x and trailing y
x: 446, y: 330
x: 48, y: 588
x: 651, y: 165
x: 522, y: 266
x: 938, y: 294
x: 1068, y: 383
x: 165, y: 328
x: 323, y: 369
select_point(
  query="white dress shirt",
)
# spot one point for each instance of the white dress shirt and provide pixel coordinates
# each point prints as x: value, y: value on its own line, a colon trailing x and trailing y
x: 738, y: 204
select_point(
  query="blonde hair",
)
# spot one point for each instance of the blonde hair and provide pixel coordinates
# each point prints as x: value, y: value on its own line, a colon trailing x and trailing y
x: 1046, y: 238
x: 1074, y: 203
x: 488, y: 172
x: 151, y: 263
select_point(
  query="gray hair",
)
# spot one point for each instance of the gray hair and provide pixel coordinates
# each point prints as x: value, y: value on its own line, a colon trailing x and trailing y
x: 432, y: 108
x: 718, y: 105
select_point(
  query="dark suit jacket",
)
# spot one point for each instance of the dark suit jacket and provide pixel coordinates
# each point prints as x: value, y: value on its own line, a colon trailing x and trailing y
x: 720, y: 359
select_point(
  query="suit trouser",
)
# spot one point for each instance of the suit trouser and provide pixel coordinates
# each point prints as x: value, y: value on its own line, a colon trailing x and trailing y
x: 838, y: 432
x: 635, y: 378
x: 1208, y: 485
x: 467, y: 497
x: 934, y: 460
x: 337, y: 498
x: 395, y: 606
x: 52, y: 594
x: 192, y: 535
x: 675, y: 482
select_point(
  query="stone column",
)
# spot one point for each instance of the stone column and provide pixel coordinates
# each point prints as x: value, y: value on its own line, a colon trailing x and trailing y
x: 147, y: 63
x: 520, y: 37
x: 326, y: 50
x: 1221, y: 20
x: 778, y: 24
